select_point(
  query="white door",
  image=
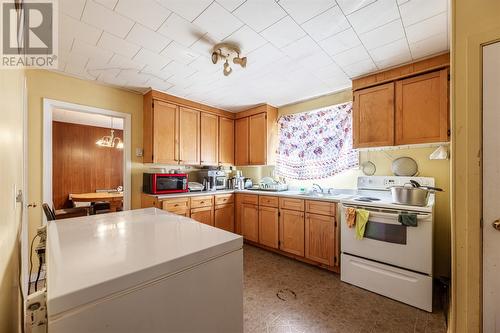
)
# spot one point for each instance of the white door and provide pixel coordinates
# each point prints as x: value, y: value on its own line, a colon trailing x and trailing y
x: 491, y: 188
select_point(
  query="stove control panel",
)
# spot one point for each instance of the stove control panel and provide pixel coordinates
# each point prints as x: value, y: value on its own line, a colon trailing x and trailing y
x: 385, y: 182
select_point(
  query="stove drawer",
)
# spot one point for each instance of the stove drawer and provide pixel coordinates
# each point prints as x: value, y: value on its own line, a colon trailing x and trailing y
x: 405, y: 286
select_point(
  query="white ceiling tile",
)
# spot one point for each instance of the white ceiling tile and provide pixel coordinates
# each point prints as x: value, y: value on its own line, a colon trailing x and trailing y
x: 204, y: 64
x: 263, y: 56
x: 65, y: 43
x: 217, y: 21
x: 340, y: 42
x: 327, y: 24
x: 147, y: 38
x: 118, y: 45
x: 91, y: 51
x: 432, y: 45
x: 302, y: 48
x: 79, y: 30
x: 391, y: 54
x: 180, y: 30
x: 104, y: 18
x: 230, y: 5
x: 108, y: 76
x: 414, y: 11
x: 302, y: 11
x: 147, y: 12
x: 107, y: 3
x: 179, y: 53
x: 133, y: 77
x: 385, y: 34
x: 400, y: 2
x: 77, y: 61
x: 154, y: 60
x: 374, y: 15
x: 118, y: 61
x: 315, y: 60
x: 247, y: 39
x: 260, y: 14
x: 351, y: 56
x: 330, y: 72
x: 188, y: 9
x: 427, y: 28
x: 78, y: 72
x: 176, y: 68
x: 283, y: 32
x: 73, y: 8
x: 360, y: 68
x: 349, y: 6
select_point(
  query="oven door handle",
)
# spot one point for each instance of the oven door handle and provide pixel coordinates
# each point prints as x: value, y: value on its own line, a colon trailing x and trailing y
x: 377, y: 213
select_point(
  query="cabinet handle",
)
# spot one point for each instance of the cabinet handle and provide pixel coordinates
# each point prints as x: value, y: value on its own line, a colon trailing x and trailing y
x: 176, y: 205
x: 202, y: 202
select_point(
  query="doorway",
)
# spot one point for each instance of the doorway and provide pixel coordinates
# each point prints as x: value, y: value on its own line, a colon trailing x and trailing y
x: 491, y: 188
x: 92, y: 165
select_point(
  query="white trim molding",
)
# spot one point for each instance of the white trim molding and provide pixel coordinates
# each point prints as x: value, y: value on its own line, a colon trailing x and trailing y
x: 49, y: 105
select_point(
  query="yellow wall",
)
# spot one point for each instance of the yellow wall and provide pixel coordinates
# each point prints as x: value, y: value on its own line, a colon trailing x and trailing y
x: 44, y: 84
x: 11, y: 174
x: 439, y: 169
x: 473, y: 23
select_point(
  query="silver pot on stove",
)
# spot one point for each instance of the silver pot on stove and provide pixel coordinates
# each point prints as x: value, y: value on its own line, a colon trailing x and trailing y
x: 412, y: 194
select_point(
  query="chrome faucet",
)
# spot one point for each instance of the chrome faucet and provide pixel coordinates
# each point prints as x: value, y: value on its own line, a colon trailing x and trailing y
x: 330, y: 190
x: 315, y: 187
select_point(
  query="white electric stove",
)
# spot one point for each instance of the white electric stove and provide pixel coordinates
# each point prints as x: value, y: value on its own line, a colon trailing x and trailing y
x: 392, y: 259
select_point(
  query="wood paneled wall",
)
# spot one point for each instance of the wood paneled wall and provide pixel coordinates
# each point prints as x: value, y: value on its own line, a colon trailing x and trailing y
x: 79, y: 165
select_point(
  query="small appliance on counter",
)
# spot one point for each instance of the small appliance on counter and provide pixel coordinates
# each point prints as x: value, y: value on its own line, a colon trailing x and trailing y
x: 164, y: 183
x: 216, y: 179
x: 195, y: 187
x: 248, y: 184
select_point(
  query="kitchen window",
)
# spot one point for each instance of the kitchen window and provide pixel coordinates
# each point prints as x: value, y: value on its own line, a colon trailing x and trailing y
x: 316, y: 144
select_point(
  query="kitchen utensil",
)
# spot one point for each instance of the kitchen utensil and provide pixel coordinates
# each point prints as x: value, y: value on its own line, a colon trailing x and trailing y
x: 414, y: 183
x: 410, y: 195
x: 405, y: 166
x: 368, y: 168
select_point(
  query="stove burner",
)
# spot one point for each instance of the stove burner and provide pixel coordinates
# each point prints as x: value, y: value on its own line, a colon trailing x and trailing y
x: 367, y: 199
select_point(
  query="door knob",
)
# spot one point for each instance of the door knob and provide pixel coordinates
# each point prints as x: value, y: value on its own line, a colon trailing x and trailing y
x: 496, y: 224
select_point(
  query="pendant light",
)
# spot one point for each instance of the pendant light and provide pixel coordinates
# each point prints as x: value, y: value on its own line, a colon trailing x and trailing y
x: 111, y: 140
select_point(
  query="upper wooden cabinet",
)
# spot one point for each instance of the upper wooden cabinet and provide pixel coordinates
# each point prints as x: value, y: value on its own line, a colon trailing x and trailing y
x: 404, y: 105
x: 256, y: 136
x: 209, y: 134
x: 373, y: 116
x: 422, y: 108
x: 241, y: 141
x: 226, y: 141
x: 179, y: 131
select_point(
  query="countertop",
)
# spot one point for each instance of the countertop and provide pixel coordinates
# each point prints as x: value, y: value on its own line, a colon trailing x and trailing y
x: 93, y: 257
x: 336, y: 196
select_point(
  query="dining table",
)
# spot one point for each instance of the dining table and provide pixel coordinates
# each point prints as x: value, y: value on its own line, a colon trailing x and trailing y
x: 115, y: 199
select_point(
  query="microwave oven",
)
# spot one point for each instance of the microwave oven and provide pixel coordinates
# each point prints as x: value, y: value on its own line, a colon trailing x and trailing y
x: 164, y: 183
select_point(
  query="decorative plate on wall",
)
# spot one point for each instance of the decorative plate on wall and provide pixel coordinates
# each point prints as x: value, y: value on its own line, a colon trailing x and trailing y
x: 404, y: 166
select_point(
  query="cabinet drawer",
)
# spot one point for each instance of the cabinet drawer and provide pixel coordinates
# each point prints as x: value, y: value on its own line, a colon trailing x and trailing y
x: 175, y: 205
x: 266, y: 200
x: 224, y: 199
x: 204, y: 201
x: 292, y: 204
x: 249, y: 198
x: 321, y: 207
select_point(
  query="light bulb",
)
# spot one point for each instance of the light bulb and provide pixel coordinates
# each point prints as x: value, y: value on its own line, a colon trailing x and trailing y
x: 119, y: 145
x: 227, y: 69
x: 240, y: 61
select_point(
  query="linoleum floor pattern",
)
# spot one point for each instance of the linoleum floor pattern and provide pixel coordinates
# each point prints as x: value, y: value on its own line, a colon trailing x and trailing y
x: 315, y: 300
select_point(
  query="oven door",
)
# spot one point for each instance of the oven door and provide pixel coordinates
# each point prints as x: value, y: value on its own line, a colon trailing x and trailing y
x: 170, y: 184
x: 388, y: 241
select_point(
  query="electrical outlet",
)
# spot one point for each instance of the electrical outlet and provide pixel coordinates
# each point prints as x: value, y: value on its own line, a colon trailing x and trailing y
x: 36, y: 312
x: 139, y: 152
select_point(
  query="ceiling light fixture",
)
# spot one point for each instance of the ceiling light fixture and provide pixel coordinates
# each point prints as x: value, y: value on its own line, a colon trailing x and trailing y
x: 226, y: 51
x: 110, y: 141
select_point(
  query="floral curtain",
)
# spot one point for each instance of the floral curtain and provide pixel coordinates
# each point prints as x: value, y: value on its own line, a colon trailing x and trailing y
x: 316, y: 144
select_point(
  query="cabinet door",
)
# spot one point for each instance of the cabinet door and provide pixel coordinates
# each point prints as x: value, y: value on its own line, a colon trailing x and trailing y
x: 165, y: 131
x: 250, y: 222
x: 422, y: 108
x: 226, y: 141
x: 320, y: 238
x: 268, y: 226
x: 292, y: 232
x: 241, y: 141
x: 189, y: 136
x: 257, y: 138
x: 209, y: 134
x: 373, y: 116
x: 204, y: 215
x: 224, y: 217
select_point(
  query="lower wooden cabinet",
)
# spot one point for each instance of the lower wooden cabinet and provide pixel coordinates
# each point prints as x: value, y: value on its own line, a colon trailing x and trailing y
x: 292, y: 231
x: 224, y: 217
x: 320, y: 238
x: 269, y: 226
x: 204, y: 215
x: 250, y: 221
